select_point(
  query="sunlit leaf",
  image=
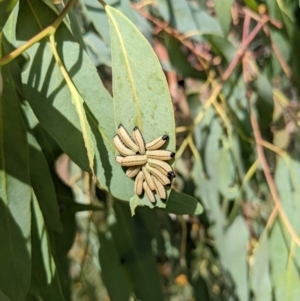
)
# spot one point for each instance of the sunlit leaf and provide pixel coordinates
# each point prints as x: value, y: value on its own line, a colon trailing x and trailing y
x: 140, y: 98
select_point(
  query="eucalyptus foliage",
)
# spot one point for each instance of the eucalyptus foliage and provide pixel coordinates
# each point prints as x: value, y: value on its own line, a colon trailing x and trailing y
x: 220, y: 78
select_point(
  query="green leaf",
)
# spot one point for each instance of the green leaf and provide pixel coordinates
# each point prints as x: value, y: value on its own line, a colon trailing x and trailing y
x: 260, y: 271
x: 288, y: 285
x: 6, y: 7
x: 3, y: 297
x: 179, y: 59
x: 184, y: 20
x: 234, y: 256
x: 287, y: 179
x: 113, y: 273
x: 140, y: 98
x: 180, y: 203
x: 205, y: 181
x: 252, y: 4
x: 44, y: 279
x: 226, y: 175
x: 278, y: 252
x: 96, y: 14
x: 41, y: 179
x: 213, y: 33
x: 207, y: 24
x: 284, y: 270
x: 133, y: 242
x: 284, y: 267
x: 97, y: 50
x: 50, y: 98
x: 62, y: 242
x: 223, y: 10
x: 15, y: 195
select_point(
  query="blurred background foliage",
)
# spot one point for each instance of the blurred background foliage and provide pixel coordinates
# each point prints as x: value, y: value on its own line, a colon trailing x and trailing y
x: 233, y: 70
x: 233, y: 74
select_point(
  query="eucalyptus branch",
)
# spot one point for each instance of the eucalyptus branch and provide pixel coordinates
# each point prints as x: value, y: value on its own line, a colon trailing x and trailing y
x: 102, y: 3
x: 49, y: 30
x: 270, y: 180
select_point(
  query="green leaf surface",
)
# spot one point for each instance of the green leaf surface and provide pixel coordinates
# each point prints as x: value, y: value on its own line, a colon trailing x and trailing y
x: 97, y: 50
x: 234, y: 256
x: 284, y: 267
x: 4, y: 297
x: 6, y: 7
x: 205, y: 179
x: 288, y: 285
x: 260, y: 271
x: 113, y: 272
x: 223, y: 10
x: 278, y: 252
x: 41, y: 179
x: 213, y: 33
x: 287, y: 179
x: 252, y: 4
x: 182, y: 19
x: 15, y: 195
x: 97, y: 15
x: 50, y: 98
x: 226, y: 175
x: 207, y: 24
x: 61, y: 243
x: 42, y: 185
x: 140, y: 98
x: 179, y: 59
x: 44, y: 280
x: 284, y: 270
x: 133, y: 242
x: 9, y: 43
x: 180, y: 203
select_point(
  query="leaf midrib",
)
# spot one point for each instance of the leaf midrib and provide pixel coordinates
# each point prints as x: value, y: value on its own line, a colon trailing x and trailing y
x: 127, y: 64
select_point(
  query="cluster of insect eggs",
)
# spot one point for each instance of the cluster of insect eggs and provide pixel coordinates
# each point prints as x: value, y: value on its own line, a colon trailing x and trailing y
x: 145, y: 162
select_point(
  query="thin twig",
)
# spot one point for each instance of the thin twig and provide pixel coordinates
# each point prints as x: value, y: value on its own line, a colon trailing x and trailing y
x: 270, y: 181
x: 180, y: 37
x: 240, y: 52
x: 258, y: 18
x: 49, y: 30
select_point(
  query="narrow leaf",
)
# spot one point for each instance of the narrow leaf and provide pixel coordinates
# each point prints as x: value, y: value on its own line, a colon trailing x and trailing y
x: 113, y: 273
x: 180, y: 203
x: 133, y: 243
x: 41, y: 180
x: 223, y: 10
x: 140, y: 91
x: 44, y: 280
x: 15, y: 195
x: 234, y: 256
x: 6, y: 7
x: 260, y: 271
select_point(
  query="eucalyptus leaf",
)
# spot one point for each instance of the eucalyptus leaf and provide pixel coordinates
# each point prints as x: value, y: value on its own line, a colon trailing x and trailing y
x: 133, y: 242
x: 260, y: 271
x: 140, y: 98
x: 44, y: 279
x: 41, y: 179
x: 15, y: 195
x: 6, y: 7
x: 234, y: 256
x: 223, y: 10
